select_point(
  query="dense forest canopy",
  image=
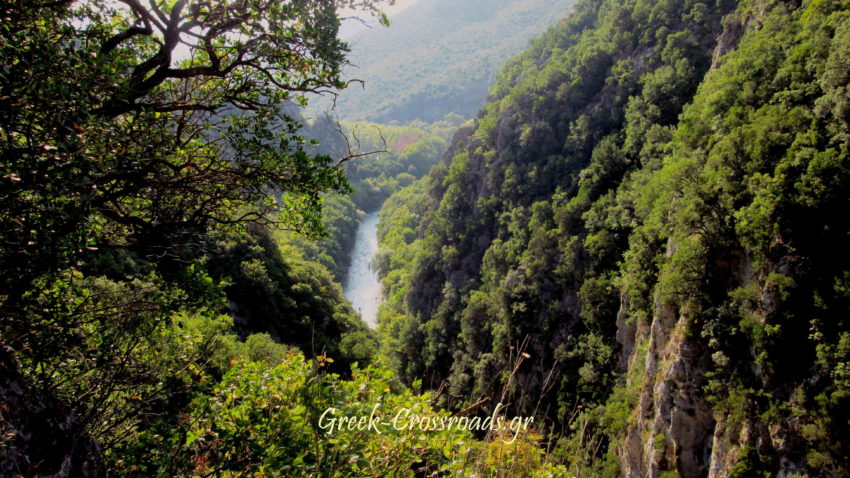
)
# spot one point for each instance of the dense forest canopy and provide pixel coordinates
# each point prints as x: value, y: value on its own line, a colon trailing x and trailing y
x: 648, y: 209
x: 170, y: 237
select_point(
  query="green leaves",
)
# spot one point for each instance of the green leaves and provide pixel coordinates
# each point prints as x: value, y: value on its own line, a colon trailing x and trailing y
x: 122, y: 159
x: 284, y: 420
x: 622, y: 175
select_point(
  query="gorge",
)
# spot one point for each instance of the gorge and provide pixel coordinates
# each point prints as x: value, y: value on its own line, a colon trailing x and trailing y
x: 637, y: 243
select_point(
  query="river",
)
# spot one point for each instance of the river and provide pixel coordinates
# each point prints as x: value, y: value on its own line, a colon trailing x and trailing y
x: 362, y: 286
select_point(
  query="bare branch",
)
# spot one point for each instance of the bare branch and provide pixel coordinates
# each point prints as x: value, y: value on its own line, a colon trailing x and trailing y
x: 131, y: 32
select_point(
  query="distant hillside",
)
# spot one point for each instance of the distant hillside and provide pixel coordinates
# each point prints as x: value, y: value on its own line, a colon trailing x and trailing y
x: 438, y: 57
x: 355, y: 23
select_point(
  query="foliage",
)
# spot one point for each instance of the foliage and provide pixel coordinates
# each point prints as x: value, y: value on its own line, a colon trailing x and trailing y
x: 340, y: 218
x: 284, y: 417
x: 271, y: 420
x: 384, y: 158
x: 622, y: 173
x: 523, y: 215
x: 642, y: 163
x: 133, y: 138
x: 409, y: 153
x: 273, y: 289
x: 140, y: 194
x: 208, y: 142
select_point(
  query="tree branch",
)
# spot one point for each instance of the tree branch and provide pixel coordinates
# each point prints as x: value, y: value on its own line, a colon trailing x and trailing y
x: 116, y: 40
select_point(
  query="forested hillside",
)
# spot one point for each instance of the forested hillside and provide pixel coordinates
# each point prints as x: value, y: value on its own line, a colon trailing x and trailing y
x: 384, y: 157
x: 438, y: 57
x: 641, y: 241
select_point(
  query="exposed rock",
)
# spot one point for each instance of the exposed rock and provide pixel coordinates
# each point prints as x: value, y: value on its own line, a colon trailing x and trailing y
x: 626, y: 331
x: 725, y: 451
x: 733, y: 30
x: 47, y: 440
x: 674, y: 423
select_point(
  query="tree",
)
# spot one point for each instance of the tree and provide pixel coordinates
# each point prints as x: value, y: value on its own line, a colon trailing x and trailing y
x: 142, y: 129
x: 133, y: 126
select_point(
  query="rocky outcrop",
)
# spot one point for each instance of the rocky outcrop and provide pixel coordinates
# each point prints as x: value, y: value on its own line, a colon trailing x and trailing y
x: 674, y: 424
x: 734, y: 28
x: 40, y: 436
x: 675, y: 431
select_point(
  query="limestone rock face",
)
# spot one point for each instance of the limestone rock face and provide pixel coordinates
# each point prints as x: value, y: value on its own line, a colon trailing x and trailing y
x: 47, y: 439
x: 674, y: 426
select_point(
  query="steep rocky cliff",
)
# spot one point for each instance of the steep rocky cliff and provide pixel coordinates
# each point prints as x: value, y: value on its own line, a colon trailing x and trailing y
x: 649, y: 209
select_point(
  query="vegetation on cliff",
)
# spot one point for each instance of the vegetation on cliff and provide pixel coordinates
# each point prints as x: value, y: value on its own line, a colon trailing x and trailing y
x: 652, y: 200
